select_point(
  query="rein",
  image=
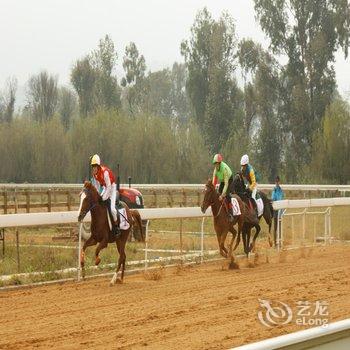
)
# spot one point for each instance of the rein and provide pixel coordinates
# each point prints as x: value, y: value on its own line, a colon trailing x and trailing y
x: 222, y: 203
x: 91, y: 204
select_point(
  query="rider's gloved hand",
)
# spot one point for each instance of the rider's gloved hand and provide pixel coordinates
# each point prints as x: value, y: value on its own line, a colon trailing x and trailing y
x: 100, y: 200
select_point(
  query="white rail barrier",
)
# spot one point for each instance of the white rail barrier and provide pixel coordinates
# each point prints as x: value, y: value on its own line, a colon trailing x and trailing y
x: 335, y: 336
x: 66, y: 217
x: 52, y: 218
x: 287, y: 187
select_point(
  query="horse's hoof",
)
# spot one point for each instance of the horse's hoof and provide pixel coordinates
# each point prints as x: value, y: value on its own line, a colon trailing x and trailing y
x: 119, y: 281
x: 97, y: 261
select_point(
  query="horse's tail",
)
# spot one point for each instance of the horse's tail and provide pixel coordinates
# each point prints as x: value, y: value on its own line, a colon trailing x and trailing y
x: 137, y: 217
x: 268, y: 214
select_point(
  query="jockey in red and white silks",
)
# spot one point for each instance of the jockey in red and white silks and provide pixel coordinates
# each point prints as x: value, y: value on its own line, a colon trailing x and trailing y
x: 105, y: 178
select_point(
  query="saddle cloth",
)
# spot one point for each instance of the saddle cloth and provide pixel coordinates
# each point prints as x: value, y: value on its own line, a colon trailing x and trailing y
x: 124, y: 224
x: 260, y: 205
x: 236, y: 210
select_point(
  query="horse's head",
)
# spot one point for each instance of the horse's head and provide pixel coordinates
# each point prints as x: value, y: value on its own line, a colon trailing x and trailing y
x: 210, y: 196
x: 89, y: 198
x: 238, y: 183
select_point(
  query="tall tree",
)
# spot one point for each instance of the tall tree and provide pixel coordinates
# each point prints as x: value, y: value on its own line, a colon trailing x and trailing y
x: 134, y: 66
x: 7, y: 100
x: 83, y: 79
x: 94, y: 80
x: 42, y: 96
x: 179, y: 97
x: 308, y: 32
x: 104, y: 60
x: 212, y: 88
x: 331, y: 147
x: 262, y: 106
x: 67, y: 105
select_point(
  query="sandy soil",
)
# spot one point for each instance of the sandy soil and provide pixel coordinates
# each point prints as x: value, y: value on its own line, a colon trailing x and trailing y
x: 201, y: 307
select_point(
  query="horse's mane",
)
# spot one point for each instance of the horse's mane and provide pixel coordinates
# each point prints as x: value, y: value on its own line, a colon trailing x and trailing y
x: 89, y: 186
x: 210, y: 185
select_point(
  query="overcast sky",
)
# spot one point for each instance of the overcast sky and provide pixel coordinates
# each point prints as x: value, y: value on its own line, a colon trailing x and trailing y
x: 52, y: 34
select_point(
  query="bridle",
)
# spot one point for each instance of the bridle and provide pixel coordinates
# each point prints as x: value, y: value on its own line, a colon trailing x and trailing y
x: 91, y: 204
x: 213, y: 202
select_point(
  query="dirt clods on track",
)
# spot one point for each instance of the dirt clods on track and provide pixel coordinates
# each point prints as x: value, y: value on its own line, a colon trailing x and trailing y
x: 199, y: 307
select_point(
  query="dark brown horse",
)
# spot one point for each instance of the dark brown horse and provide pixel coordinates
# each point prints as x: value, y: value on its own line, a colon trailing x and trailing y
x: 100, y: 228
x: 222, y: 225
x: 239, y: 189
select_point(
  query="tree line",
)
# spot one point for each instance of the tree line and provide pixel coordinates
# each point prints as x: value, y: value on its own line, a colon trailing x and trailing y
x: 164, y: 126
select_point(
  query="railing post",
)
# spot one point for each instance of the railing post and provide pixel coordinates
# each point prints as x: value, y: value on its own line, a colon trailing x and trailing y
x: 27, y: 201
x: 146, y: 246
x: 304, y: 219
x: 49, y: 201
x: 17, y: 250
x: 79, y: 252
x: 181, y: 243
x: 329, y: 223
x: 5, y: 202
x: 279, y: 229
x: 69, y: 201
x: 202, y: 240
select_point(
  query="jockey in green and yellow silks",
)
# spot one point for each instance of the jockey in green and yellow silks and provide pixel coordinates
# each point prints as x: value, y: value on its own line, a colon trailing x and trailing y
x: 223, y: 174
x: 249, y: 175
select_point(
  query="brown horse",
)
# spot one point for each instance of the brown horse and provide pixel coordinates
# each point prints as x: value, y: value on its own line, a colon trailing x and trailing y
x: 100, y: 229
x: 222, y: 225
x: 238, y: 187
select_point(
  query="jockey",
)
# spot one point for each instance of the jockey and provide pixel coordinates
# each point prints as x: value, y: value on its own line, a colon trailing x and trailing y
x: 223, y: 174
x: 104, y: 177
x: 249, y: 175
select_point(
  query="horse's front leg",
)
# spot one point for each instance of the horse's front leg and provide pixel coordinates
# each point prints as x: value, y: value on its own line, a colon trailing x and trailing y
x: 240, y: 227
x: 234, y: 233
x: 252, y: 245
x: 90, y: 241
x: 103, y: 244
x: 121, y: 261
x: 223, y: 250
x: 245, y: 232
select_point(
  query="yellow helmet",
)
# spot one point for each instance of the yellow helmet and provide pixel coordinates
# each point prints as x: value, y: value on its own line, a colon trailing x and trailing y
x: 95, y: 160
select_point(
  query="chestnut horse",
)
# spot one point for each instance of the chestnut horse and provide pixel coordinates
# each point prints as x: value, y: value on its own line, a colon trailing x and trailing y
x: 100, y: 229
x: 222, y: 225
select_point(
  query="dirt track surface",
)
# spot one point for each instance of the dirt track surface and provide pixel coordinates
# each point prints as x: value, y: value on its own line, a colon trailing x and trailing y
x: 203, y: 307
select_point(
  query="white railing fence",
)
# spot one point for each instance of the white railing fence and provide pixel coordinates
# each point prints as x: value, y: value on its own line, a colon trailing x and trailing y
x: 53, y: 218
x: 335, y: 336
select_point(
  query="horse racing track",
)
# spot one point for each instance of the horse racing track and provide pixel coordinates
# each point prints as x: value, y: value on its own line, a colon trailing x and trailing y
x: 197, y: 307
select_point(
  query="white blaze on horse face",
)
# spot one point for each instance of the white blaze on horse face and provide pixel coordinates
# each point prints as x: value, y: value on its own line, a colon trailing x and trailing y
x: 82, y: 197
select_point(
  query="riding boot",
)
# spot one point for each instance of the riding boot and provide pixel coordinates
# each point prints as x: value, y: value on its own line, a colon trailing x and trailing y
x: 115, y: 228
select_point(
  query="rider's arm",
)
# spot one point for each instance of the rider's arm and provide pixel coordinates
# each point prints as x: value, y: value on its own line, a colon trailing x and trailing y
x: 106, y: 190
x: 252, y: 178
x: 226, y: 177
x: 215, y: 179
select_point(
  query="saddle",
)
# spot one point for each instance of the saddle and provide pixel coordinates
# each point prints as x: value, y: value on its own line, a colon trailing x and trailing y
x: 119, y: 206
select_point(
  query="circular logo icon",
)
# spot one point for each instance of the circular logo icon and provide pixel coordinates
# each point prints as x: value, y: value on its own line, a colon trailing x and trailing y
x: 273, y: 314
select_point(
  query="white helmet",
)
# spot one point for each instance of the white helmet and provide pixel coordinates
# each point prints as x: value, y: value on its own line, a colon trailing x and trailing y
x: 245, y: 159
x: 95, y: 160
